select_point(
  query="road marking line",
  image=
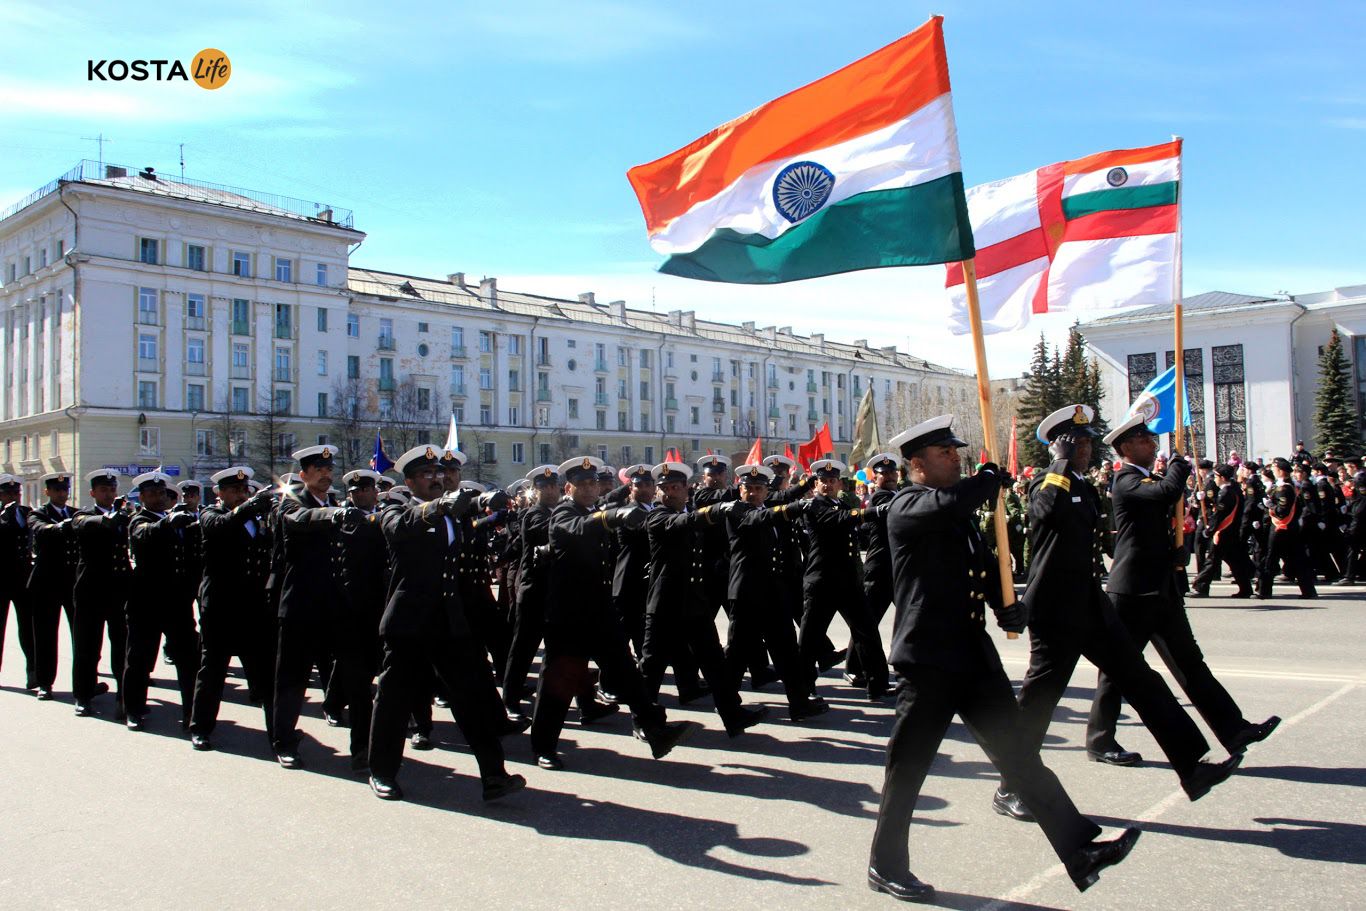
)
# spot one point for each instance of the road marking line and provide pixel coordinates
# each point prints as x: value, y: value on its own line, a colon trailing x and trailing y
x: 1149, y: 815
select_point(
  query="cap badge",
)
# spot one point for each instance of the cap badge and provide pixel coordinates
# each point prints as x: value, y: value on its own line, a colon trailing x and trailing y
x: 241, y: 475
x: 587, y: 463
x: 1080, y: 416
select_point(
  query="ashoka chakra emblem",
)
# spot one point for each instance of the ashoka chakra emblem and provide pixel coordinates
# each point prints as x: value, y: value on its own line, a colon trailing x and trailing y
x: 1117, y: 177
x: 801, y: 188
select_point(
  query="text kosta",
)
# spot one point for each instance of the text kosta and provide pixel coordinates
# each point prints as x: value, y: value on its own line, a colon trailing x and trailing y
x: 137, y: 70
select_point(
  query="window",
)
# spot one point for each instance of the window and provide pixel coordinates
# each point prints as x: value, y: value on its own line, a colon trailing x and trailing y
x: 284, y: 270
x: 237, y: 443
x: 386, y: 373
x: 514, y: 379
x: 147, y: 306
x: 626, y: 455
x: 283, y: 403
x: 352, y: 367
x: 147, y: 394
x: 203, y: 442
x: 241, y: 360
x: 241, y: 316
x: 515, y: 344
x: 571, y: 343
x: 241, y: 264
x: 543, y: 453
x: 148, y: 250
x: 194, y: 311
x: 1195, y: 389
x: 12, y: 273
x: 622, y: 357
x: 649, y: 455
x: 321, y: 278
x: 792, y: 422
x: 542, y: 416
x: 491, y: 453
x: 195, y: 258
x: 285, y: 444
x: 284, y: 321
x: 322, y: 319
x: 284, y: 366
x: 61, y: 248
x: 322, y: 404
x: 486, y: 415
x: 644, y: 360
x: 322, y: 363
x: 543, y: 352
x: 352, y: 326
x: 694, y: 415
x: 716, y: 426
x: 194, y: 356
x: 457, y: 341
x: 149, y: 441
x: 240, y: 404
x: 602, y: 420
x: 644, y: 423
x: 514, y: 415
x: 459, y: 412
x: 600, y: 356
x: 644, y: 390
x: 1230, y: 401
x: 602, y: 453
x: 42, y: 258
x: 621, y: 390
x: 485, y: 377
x: 194, y: 397
x: 668, y: 358
x: 424, y: 399
x: 485, y: 341
x: 147, y: 351
x: 458, y: 379
x: 573, y: 408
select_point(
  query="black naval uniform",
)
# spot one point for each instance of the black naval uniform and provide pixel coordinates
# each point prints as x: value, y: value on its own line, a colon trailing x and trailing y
x: 1227, y: 544
x: 310, y: 597
x: 426, y: 633
x: 51, y: 585
x: 877, y: 571
x: 476, y: 586
x: 1284, y: 543
x: 834, y: 582
x: 944, y: 578
x: 1354, y: 530
x: 235, y: 617
x: 1069, y: 616
x: 529, y: 605
x: 16, y: 533
x: 103, y: 577
x: 156, y: 607
x: 365, y: 567
x: 1143, y: 586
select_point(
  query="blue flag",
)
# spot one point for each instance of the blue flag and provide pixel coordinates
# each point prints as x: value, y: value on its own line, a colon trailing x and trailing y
x: 1157, y: 403
x: 379, y: 461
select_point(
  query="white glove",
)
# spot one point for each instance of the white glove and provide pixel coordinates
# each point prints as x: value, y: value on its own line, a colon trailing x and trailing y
x: 1322, y: 526
x: 1256, y: 525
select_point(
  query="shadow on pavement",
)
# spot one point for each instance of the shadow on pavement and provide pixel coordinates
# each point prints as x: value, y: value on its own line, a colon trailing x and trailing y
x: 1304, y: 839
x: 1355, y: 778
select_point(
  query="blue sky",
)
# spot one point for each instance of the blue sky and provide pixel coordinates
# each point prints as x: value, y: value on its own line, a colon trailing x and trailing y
x: 493, y: 138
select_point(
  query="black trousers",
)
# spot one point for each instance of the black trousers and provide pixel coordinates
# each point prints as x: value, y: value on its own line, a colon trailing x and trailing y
x: 149, y: 618
x: 489, y: 626
x: 302, y: 644
x: 528, y: 629
x: 822, y: 602
x: 566, y: 669
x: 15, y: 591
x: 1103, y: 639
x: 671, y: 633
x: 1232, y: 551
x: 405, y: 679
x: 1356, y: 567
x: 756, y: 623
x: 926, y: 702
x: 98, y: 607
x: 48, y: 601
x: 1286, y: 545
x: 877, y: 596
x: 1162, y: 621
x: 254, y: 645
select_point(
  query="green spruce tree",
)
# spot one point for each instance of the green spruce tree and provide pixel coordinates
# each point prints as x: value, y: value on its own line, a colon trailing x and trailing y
x: 1041, y: 396
x: 1335, y: 418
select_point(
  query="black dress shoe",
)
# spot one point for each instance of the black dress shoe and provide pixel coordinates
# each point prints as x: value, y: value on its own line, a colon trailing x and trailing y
x: 663, y: 738
x: 689, y: 695
x: 515, y: 723
x: 288, y: 759
x: 1085, y: 864
x: 101, y: 688
x: 855, y: 680
x: 83, y: 710
x: 765, y: 677
x: 43, y: 693
x: 360, y: 761
x: 421, y: 741
x: 1242, y: 594
x: 606, y: 696
x: 1197, y: 593
x: 133, y: 722
x: 441, y: 702
x: 200, y: 743
x: 825, y: 662
x: 904, y: 887
x: 1008, y: 803
x: 807, y: 708
x: 385, y: 788
x: 1116, y: 757
x: 596, y: 711
x: 335, y: 721
x: 744, y: 717
x: 550, y: 763
x: 496, y: 786
x: 1253, y: 733
x: 1208, y: 774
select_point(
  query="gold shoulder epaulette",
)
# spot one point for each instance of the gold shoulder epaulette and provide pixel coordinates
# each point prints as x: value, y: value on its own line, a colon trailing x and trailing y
x: 1058, y: 480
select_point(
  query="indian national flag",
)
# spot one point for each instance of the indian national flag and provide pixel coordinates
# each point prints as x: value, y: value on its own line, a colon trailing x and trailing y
x: 857, y: 170
x: 1092, y: 234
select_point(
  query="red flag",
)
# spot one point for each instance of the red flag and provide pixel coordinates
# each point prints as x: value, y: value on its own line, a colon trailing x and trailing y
x: 1012, y: 457
x: 815, y: 448
x: 787, y: 451
x: 672, y: 455
x: 982, y: 457
x: 756, y: 452
x: 709, y: 452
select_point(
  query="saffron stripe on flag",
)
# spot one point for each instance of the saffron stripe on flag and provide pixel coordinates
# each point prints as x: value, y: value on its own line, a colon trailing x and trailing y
x: 1121, y: 157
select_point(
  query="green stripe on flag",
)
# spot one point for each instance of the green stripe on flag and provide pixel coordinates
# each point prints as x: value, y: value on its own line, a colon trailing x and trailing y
x: 908, y: 226
x: 1158, y: 194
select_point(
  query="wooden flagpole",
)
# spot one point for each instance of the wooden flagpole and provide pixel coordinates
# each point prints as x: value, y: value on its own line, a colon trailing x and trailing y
x: 1178, y: 436
x: 979, y: 350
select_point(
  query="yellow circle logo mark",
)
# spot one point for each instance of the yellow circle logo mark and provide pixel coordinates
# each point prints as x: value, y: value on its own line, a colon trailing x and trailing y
x: 211, y: 69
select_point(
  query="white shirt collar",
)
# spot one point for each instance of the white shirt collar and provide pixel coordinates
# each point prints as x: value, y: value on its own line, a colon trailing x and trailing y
x: 1146, y: 473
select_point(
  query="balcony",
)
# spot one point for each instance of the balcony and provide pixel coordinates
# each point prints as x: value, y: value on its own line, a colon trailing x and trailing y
x: 811, y: 387
x: 194, y: 322
x: 772, y: 382
x: 599, y: 366
x: 718, y: 406
x: 385, y: 343
x: 241, y: 327
x: 718, y: 376
x: 543, y: 360
x: 457, y: 351
x: 241, y: 371
x: 386, y: 384
x: 149, y: 365
x: 812, y: 414
x: 671, y: 404
x: 773, y: 412
x: 543, y: 395
x: 284, y: 330
x: 194, y: 368
x: 457, y: 388
x: 283, y: 374
x: 600, y: 399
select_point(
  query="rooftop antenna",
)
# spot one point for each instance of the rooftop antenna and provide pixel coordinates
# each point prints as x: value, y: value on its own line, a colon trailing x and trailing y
x: 182, y: 161
x: 101, y: 141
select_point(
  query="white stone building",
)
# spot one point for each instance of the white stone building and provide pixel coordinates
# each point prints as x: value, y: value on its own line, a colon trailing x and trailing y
x: 1251, y: 363
x: 155, y: 321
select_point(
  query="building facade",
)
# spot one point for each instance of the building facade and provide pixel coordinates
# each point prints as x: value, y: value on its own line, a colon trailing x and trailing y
x: 154, y: 321
x: 1251, y: 363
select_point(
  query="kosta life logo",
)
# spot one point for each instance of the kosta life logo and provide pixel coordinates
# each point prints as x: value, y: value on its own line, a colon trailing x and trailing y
x: 210, y: 69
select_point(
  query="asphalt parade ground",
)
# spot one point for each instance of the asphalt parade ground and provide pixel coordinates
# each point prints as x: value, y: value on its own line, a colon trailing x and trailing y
x: 94, y: 816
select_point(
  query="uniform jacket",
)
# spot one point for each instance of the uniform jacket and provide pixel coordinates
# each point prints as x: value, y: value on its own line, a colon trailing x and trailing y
x: 103, y: 542
x: 364, y: 573
x: 55, y: 552
x: 424, y: 571
x: 16, y: 545
x: 756, y: 565
x: 232, y: 592
x: 1228, y: 507
x: 1143, y: 528
x: 158, y: 552
x: 1063, y: 585
x: 944, y: 577
x: 311, y: 554
x: 676, y: 584
x: 631, y: 574
x: 581, y: 562
x: 834, y: 562
x: 878, y: 562
x: 535, y: 565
